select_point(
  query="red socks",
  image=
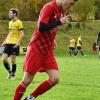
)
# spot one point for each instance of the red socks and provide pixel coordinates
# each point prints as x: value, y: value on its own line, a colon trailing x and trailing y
x: 42, y: 88
x: 20, y: 91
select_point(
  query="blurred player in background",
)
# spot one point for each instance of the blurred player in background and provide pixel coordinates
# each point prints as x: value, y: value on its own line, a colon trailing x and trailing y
x: 72, y: 46
x: 94, y: 48
x: 39, y: 56
x: 98, y: 43
x: 12, y: 42
x: 79, y: 46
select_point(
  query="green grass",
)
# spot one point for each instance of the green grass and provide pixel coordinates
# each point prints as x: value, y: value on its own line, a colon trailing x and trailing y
x: 79, y: 79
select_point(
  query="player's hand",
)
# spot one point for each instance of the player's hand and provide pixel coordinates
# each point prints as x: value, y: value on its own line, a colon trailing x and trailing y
x: 16, y: 45
x: 65, y: 19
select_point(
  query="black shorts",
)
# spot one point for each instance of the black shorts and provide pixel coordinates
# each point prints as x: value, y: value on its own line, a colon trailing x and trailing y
x: 72, y: 48
x: 79, y: 48
x: 8, y: 49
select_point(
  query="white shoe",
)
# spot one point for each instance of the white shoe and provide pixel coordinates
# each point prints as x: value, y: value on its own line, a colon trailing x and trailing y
x: 9, y: 76
x: 13, y: 78
x: 29, y: 97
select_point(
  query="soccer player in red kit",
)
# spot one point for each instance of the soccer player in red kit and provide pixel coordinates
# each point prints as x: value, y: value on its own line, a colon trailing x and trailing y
x: 39, y: 56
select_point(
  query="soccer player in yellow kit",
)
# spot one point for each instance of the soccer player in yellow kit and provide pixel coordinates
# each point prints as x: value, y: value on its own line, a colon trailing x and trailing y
x: 79, y: 46
x: 72, y: 46
x: 12, y: 42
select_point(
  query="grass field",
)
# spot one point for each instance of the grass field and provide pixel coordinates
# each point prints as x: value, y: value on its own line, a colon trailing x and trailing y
x: 79, y: 79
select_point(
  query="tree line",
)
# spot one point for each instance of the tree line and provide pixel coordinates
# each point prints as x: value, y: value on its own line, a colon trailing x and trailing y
x: 29, y: 9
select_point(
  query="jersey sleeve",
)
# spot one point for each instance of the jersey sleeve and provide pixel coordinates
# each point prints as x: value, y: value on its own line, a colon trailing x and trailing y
x: 45, y: 14
x: 79, y: 39
x: 20, y: 25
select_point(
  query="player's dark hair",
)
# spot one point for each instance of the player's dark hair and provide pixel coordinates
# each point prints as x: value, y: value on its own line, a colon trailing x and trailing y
x: 14, y: 10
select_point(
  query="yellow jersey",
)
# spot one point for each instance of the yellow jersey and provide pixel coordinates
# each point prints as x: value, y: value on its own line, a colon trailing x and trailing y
x: 78, y: 41
x: 72, y: 43
x: 14, y: 31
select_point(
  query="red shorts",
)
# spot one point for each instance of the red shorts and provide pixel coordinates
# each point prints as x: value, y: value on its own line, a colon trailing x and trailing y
x: 35, y: 62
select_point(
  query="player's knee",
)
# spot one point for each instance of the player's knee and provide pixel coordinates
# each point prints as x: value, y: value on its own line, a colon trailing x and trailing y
x: 27, y: 81
x: 13, y: 62
x: 55, y: 80
x: 4, y: 60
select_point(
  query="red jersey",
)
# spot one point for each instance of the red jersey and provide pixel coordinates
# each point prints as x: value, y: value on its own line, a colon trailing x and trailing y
x: 43, y: 42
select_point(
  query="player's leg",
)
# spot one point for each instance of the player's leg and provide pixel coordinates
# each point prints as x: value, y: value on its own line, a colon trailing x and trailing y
x: 76, y: 52
x: 73, y: 51
x: 13, y: 60
x: 99, y: 49
x: 81, y: 51
x: 5, y: 61
x: 45, y: 85
x: 27, y: 79
x: 5, y: 55
x: 51, y: 68
x: 31, y: 65
x: 6, y: 64
x: 14, y: 54
x: 53, y: 76
x: 70, y: 51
